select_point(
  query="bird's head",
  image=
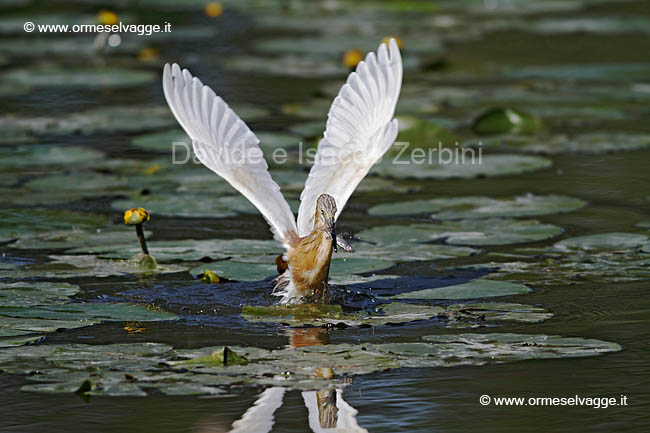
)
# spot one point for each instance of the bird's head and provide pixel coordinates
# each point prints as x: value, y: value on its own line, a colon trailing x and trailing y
x: 325, y: 219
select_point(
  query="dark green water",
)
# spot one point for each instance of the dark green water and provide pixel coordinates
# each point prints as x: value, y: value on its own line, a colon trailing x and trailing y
x: 415, y: 400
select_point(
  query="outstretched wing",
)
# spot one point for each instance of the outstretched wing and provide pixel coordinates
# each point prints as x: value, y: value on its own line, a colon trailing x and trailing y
x: 360, y: 129
x: 225, y: 144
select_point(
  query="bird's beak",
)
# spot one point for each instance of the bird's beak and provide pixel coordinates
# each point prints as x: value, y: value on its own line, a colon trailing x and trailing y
x: 333, y: 236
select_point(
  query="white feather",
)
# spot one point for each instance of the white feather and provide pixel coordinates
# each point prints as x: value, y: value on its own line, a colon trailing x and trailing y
x: 225, y: 144
x: 360, y: 129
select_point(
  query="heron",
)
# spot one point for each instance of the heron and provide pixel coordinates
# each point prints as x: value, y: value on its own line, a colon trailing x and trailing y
x: 360, y: 128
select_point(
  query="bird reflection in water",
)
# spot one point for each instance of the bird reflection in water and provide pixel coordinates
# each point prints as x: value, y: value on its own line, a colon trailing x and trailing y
x: 328, y: 411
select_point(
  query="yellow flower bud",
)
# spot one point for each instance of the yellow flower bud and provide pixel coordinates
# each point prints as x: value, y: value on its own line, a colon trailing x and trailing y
x: 210, y: 277
x: 213, y: 9
x: 136, y: 216
x: 388, y: 38
x: 107, y: 18
x: 147, y: 54
x: 352, y: 58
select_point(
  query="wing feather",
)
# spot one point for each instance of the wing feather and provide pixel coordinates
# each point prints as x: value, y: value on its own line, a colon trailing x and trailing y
x: 225, y: 144
x: 360, y: 129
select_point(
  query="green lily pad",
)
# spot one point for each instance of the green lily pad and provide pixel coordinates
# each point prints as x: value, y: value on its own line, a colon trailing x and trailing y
x: 191, y: 250
x: 504, y: 120
x: 10, y: 326
x: 90, y: 311
x: 405, y: 250
x: 100, y: 120
x: 86, y: 78
x: 25, y: 222
x: 603, y: 242
x: 416, y: 165
x: 336, y: 45
x: 482, y: 207
x: 309, y: 129
x: 78, y: 181
x: 130, y: 369
x: 290, y: 66
x: 67, y: 239
x: 24, y: 294
x: 476, y: 314
x: 478, y: 232
x: 275, y: 140
x: 320, y: 315
x: 187, y: 205
x: 20, y: 341
x: 48, y: 155
x: 43, y: 47
x: 239, y: 271
x: 480, y: 288
x: 64, y: 266
x: 594, y: 72
x: 589, y: 143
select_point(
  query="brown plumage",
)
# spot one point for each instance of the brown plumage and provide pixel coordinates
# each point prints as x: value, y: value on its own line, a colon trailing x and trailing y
x: 309, y: 257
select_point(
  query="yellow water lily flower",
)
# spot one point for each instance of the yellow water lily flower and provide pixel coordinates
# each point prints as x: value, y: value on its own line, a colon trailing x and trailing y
x: 136, y: 216
x: 352, y: 57
x: 107, y: 18
x: 213, y: 9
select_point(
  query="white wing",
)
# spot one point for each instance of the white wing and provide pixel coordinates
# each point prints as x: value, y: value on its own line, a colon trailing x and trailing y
x: 225, y: 144
x: 360, y: 129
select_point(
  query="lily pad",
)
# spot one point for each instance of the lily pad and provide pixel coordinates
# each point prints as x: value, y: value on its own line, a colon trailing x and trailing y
x: 482, y: 207
x: 48, y: 155
x: 505, y: 120
x: 603, y: 242
x: 476, y: 314
x: 596, y: 72
x: 20, y: 341
x: 95, y: 369
x: 589, y: 143
x: 291, y: 66
x: 419, y: 166
x: 64, y: 266
x: 478, y: 232
x: 25, y: 294
x: 100, y: 120
x: 320, y: 315
x: 89, y: 311
x: 10, y: 326
x: 192, y: 250
x: 25, y: 222
x: 85, y: 78
x: 239, y: 271
x: 187, y: 205
x: 479, y: 288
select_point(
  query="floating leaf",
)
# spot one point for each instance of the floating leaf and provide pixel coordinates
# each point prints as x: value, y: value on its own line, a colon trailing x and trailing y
x: 479, y: 232
x: 479, y: 288
x: 603, y: 242
x: 89, y: 311
x: 25, y: 294
x: 87, y: 78
x: 320, y: 315
x: 589, y: 143
x: 23, y: 222
x: 192, y: 250
x: 426, y: 165
x: 67, y: 367
x: 504, y: 120
x: 482, y: 207
x: 48, y: 155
